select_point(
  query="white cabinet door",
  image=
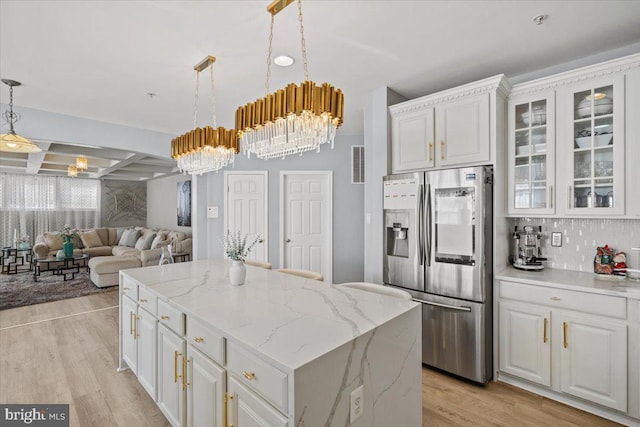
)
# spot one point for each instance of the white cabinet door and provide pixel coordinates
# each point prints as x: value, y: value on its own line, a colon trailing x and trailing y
x: 412, y: 143
x: 594, y: 143
x: 525, y: 342
x: 128, y: 326
x: 171, y: 397
x: 146, y: 327
x: 205, y: 392
x: 462, y: 131
x: 593, y: 361
x: 531, y: 155
x: 249, y: 410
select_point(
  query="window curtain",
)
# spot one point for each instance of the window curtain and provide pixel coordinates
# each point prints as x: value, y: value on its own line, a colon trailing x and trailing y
x: 31, y: 205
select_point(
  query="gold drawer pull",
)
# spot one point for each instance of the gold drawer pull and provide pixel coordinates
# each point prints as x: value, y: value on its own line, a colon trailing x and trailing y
x: 546, y: 322
x: 184, y: 373
x: 248, y: 375
x: 555, y: 298
x: 164, y: 317
x: 198, y: 339
x: 176, y: 354
x: 564, y: 327
x: 431, y: 151
x: 442, y: 150
x: 143, y: 300
x: 131, y: 321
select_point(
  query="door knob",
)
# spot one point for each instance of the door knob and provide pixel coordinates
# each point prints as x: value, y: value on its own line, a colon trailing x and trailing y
x: 288, y: 240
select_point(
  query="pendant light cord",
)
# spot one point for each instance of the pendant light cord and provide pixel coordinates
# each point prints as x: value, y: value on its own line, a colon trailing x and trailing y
x: 213, y: 100
x: 9, y: 115
x: 195, y: 102
x: 303, y: 43
x: 269, y: 53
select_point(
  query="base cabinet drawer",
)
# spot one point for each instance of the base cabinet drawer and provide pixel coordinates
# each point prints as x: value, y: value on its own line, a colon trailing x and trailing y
x: 265, y: 379
x: 171, y: 317
x: 246, y: 409
x: 205, y: 339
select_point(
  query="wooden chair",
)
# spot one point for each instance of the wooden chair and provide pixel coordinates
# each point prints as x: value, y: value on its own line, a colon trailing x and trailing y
x: 302, y: 273
x: 265, y: 265
x: 379, y: 289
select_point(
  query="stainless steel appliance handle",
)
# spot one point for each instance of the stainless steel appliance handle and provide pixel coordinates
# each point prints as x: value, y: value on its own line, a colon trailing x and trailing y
x: 428, y: 233
x: 437, y: 304
x: 420, y: 239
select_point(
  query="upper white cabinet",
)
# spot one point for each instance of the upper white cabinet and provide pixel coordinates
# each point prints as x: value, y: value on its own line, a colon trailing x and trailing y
x: 457, y: 127
x: 531, y: 154
x: 569, y: 137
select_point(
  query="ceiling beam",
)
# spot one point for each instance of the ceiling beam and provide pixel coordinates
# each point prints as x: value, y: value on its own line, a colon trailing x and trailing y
x: 131, y: 159
x: 35, y: 159
x: 63, y: 159
x: 99, y: 153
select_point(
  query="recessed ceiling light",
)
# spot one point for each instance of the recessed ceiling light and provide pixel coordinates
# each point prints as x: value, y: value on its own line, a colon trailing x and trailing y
x: 539, y: 19
x: 283, y: 60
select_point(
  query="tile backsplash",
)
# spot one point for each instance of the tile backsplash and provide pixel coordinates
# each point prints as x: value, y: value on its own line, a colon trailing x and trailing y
x: 581, y: 237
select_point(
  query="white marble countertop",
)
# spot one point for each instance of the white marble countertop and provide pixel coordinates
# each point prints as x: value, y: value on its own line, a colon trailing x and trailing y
x: 574, y: 280
x: 289, y: 319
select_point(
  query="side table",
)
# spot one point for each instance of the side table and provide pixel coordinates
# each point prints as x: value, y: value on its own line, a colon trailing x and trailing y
x: 16, y: 260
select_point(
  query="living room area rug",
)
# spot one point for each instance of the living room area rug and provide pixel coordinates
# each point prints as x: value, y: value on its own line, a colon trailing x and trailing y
x: 19, y: 290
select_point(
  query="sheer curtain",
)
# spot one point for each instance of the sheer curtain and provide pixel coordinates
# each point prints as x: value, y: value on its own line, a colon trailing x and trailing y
x: 31, y: 205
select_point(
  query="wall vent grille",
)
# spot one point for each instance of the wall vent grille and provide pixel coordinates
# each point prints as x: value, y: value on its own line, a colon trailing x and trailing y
x: 357, y: 164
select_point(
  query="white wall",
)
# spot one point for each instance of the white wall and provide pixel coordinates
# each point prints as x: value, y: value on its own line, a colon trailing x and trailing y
x: 162, y: 203
x: 348, y: 205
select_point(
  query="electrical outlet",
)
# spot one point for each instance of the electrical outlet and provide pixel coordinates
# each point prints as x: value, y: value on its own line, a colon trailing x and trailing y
x: 357, y: 405
x: 212, y: 212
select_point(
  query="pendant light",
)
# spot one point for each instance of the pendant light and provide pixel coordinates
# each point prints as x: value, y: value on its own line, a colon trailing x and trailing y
x: 82, y: 163
x: 12, y: 141
x: 294, y: 119
x: 205, y: 149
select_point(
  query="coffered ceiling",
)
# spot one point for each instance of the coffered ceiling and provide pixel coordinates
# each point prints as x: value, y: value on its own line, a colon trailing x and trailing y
x: 99, y: 59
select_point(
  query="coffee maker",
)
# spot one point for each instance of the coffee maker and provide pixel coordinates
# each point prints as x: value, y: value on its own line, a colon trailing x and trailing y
x: 525, y: 250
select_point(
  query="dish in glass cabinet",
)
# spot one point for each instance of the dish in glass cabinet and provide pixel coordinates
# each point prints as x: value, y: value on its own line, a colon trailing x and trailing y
x: 600, y: 106
x: 537, y: 117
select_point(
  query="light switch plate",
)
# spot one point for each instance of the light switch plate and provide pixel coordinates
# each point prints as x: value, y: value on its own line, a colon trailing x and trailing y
x: 212, y: 212
x: 357, y: 405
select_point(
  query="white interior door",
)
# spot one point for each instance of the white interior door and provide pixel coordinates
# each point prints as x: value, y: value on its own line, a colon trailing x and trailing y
x: 306, y: 229
x: 246, y: 208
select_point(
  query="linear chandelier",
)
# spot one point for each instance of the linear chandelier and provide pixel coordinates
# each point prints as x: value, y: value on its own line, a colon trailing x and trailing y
x: 294, y: 119
x: 205, y: 149
x: 12, y: 141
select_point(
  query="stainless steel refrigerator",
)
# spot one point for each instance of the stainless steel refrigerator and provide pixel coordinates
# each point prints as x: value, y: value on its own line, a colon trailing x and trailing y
x: 438, y: 246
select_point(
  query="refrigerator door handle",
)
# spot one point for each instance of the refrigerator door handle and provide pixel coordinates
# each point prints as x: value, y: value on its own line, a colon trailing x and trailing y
x: 428, y: 233
x: 420, y: 221
x: 437, y: 304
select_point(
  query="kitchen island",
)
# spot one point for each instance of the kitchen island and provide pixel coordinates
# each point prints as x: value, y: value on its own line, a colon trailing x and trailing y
x: 279, y: 350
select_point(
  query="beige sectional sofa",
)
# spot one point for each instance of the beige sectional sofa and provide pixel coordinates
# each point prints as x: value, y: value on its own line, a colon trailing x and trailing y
x: 112, y: 249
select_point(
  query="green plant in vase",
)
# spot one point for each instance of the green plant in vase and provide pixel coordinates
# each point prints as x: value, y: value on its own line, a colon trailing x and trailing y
x: 68, y: 233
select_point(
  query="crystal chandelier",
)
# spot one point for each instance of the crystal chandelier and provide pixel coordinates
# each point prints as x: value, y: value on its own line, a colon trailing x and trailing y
x: 72, y: 171
x: 205, y: 149
x: 82, y: 163
x: 12, y: 141
x: 294, y: 119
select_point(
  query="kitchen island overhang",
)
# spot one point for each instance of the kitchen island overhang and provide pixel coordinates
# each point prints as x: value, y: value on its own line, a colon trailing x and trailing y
x: 325, y: 340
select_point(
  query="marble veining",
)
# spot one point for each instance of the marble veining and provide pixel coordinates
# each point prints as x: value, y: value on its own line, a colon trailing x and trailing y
x: 288, y: 319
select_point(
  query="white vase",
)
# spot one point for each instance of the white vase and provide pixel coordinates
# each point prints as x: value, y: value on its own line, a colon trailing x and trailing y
x: 237, y: 273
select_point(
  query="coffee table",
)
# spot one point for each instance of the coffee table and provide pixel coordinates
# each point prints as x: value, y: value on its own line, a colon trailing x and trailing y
x: 65, y: 267
x: 16, y: 260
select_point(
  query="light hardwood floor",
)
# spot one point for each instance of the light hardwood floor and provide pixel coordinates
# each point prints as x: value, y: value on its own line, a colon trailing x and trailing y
x: 67, y: 352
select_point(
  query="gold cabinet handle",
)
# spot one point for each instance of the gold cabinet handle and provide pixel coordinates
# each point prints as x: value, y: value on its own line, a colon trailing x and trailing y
x: 431, y: 151
x: 176, y: 354
x: 555, y: 298
x: 184, y: 373
x: 564, y: 327
x: 248, y: 375
x: 135, y: 326
x: 227, y: 398
x: 442, y: 150
x: 198, y: 339
x: 143, y: 300
x: 546, y: 322
x: 164, y: 317
x: 130, y: 323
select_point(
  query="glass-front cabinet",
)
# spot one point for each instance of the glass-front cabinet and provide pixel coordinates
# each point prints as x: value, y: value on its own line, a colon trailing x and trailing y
x: 532, y: 154
x: 596, y: 148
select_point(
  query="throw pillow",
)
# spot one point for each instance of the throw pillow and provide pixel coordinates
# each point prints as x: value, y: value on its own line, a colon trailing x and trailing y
x: 161, y: 236
x: 144, y: 242
x: 53, y: 240
x: 129, y: 238
x: 90, y: 239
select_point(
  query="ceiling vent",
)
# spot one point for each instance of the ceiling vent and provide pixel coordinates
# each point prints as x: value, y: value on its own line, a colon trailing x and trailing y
x: 357, y: 164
